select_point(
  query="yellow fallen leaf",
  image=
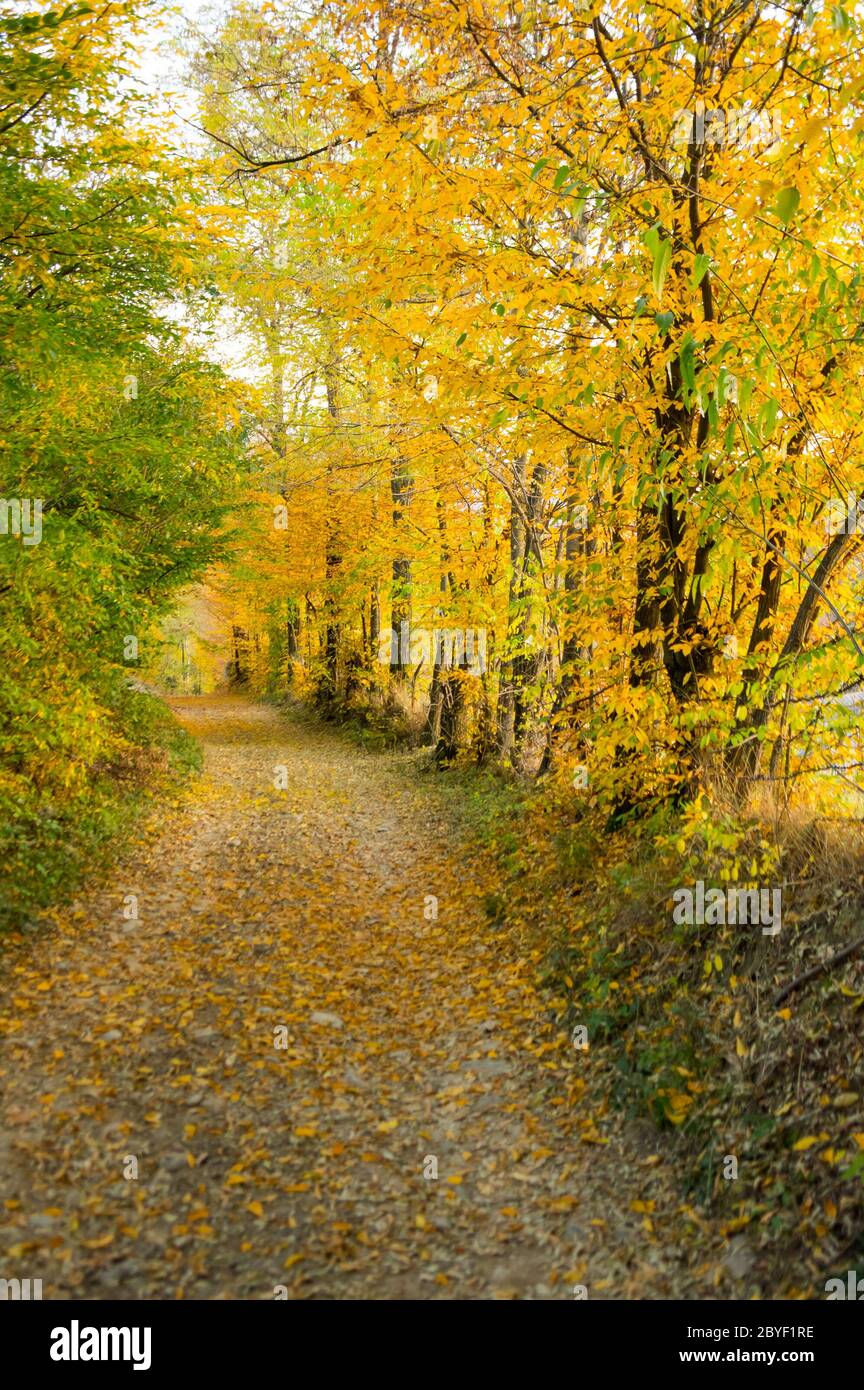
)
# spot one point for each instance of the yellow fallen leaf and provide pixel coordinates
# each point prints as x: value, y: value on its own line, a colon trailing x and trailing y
x: 809, y: 1141
x: 100, y: 1242
x: 677, y: 1105
x: 255, y: 1208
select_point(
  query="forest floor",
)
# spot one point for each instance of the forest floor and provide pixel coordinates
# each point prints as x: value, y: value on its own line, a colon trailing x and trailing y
x: 250, y: 1086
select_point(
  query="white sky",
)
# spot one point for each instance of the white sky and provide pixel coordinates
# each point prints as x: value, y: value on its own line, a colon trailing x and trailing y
x: 157, y: 67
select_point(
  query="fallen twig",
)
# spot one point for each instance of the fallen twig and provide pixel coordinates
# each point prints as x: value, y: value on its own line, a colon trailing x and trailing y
x: 817, y: 970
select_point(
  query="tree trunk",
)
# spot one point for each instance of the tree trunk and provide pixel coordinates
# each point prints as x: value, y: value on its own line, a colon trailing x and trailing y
x: 401, y: 487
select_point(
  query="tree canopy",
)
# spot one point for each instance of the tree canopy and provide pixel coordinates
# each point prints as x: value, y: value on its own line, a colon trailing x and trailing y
x: 561, y: 316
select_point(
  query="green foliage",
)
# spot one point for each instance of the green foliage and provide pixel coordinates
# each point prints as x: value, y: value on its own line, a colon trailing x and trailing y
x: 120, y: 435
x: 51, y: 836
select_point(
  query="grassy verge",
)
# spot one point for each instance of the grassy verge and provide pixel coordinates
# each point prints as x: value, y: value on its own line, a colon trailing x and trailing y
x: 51, y: 837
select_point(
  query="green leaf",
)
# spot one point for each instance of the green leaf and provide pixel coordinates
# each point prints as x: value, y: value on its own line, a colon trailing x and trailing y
x: 745, y: 391
x: 787, y: 205
x: 661, y: 252
x: 687, y: 359
x: 700, y: 268
x: 855, y: 1167
x: 768, y: 418
x: 840, y: 20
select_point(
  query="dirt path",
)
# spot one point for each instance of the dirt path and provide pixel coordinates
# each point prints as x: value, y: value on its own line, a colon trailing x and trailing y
x: 285, y: 1046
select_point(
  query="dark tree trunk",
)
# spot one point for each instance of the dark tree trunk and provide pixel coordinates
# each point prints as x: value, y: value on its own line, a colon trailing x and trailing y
x: 401, y: 486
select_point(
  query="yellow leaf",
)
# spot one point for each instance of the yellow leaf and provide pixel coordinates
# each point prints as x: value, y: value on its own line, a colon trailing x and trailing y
x: 813, y: 129
x: 677, y: 1105
x: 809, y: 1141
